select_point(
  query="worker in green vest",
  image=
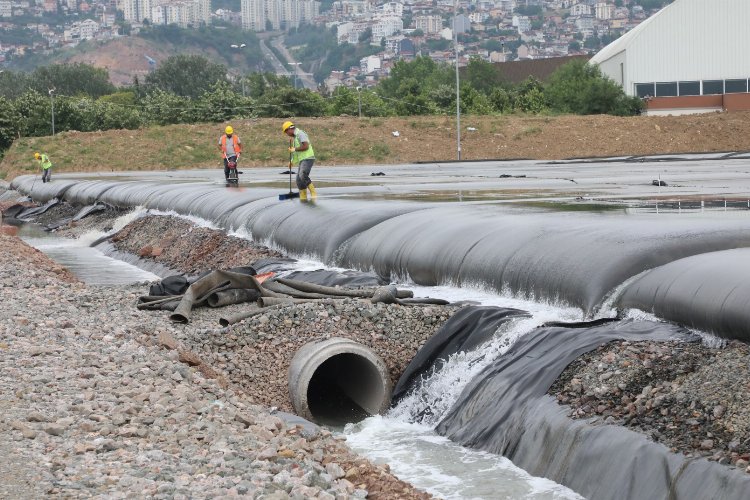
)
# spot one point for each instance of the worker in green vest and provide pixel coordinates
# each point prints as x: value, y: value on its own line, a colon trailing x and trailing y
x: 46, y: 165
x: 301, y: 154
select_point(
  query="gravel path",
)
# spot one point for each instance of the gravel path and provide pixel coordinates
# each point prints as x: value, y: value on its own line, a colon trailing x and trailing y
x: 90, y: 409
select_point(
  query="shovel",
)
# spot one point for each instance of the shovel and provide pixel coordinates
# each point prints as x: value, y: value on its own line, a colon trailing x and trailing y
x: 290, y: 195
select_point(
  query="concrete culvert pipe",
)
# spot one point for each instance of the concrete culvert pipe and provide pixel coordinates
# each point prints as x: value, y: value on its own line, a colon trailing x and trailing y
x: 338, y: 381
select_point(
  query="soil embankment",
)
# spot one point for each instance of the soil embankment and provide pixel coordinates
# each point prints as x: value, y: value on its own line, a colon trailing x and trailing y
x: 352, y: 141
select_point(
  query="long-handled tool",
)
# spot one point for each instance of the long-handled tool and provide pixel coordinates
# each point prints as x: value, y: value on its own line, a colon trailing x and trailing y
x: 290, y: 195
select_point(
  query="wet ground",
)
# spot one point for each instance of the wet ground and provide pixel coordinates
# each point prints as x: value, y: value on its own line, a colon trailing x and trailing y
x: 628, y: 181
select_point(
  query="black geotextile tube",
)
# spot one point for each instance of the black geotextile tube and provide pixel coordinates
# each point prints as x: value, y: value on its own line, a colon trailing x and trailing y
x: 506, y: 410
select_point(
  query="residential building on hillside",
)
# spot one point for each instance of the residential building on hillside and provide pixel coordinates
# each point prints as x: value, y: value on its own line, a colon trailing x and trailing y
x: 429, y: 24
x: 253, y: 14
x: 258, y: 14
x: 6, y: 8
x: 580, y: 9
x: 386, y: 26
x: 604, y: 10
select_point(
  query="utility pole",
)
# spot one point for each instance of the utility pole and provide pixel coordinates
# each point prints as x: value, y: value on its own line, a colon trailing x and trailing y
x: 458, y: 91
x: 296, y: 65
x: 52, y: 99
x: 359, y: 99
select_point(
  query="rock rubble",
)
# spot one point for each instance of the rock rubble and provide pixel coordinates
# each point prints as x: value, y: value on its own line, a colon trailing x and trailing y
x: 692, y: 398
x: 94, y: 405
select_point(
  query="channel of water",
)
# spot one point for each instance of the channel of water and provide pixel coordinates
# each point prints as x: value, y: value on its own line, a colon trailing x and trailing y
x: 412, y: 449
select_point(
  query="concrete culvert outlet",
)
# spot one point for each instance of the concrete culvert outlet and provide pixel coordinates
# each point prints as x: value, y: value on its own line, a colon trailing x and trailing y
x: 337, y: 381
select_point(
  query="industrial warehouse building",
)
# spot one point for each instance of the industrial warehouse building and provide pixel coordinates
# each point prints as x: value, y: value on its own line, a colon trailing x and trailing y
x: 692, y: 56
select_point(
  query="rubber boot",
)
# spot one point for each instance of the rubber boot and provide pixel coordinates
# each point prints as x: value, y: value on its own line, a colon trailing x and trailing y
x: 303, y: 194
x: 312, y: 190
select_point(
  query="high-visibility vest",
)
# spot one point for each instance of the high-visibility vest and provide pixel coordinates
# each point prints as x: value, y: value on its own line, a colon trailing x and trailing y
x: 298, y: 156
x: 235, y: 141
x: 44, y: 160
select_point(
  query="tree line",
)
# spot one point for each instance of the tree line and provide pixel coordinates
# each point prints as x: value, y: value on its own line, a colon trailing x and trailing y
x: 193, y: 89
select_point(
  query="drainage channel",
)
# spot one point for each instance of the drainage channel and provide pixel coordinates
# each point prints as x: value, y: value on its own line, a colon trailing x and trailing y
x: 414, y: 451
x: 88, y: 264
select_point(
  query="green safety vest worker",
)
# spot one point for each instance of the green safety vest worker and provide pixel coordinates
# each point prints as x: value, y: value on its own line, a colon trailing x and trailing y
x: 46, y: 165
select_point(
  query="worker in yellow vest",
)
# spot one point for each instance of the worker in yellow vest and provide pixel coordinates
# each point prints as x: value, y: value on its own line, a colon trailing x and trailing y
x: 302, y: 155
x: 46, y: 166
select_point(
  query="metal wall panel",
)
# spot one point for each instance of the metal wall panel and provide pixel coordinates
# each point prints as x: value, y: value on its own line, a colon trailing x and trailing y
x: 688, y: 40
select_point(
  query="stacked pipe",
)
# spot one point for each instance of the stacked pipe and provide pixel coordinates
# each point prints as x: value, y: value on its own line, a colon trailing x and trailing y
x: 221, y: 288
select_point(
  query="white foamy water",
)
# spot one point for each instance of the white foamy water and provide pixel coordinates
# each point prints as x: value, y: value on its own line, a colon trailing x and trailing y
x: 437, y: 465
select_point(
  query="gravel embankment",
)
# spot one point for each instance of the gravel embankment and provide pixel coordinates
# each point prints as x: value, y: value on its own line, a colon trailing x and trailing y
x: 93, y: 404
x: 165, y: 240
x: 689, y: 397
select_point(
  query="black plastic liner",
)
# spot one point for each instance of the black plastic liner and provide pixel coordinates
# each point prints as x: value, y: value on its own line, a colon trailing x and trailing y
x: 464, y: 331
x: 505, y: 410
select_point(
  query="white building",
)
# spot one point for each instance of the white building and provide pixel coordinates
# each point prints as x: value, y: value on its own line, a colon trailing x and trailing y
x: 429, y: 24
x: 253, y: 15
x: 392, y: 9
x: 689, y: 48
x: 585, y: 26
x: 6, y: 8
x: 370, y: 64
x: 386, y: 26
x: 580, y: 9
x: 604, y: 11
x: 135, y: 11
x: 522, y: 23
x: 88, y: 29
x: 157, y: 15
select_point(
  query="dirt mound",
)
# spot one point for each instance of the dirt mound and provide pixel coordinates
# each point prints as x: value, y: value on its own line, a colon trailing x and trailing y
x: 354, y: 141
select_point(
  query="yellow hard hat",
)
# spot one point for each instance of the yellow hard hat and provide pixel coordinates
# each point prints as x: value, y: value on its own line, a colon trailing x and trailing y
x: 287, y: 125
x: 229, y: 130
x: 37, y: 155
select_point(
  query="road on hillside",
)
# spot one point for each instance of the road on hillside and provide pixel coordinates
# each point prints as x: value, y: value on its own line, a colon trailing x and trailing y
x: 306, y: 78
x: 278, y: 66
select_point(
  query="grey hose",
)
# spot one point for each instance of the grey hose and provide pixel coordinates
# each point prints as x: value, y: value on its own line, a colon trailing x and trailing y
x: 202, y: 288
x: 236, y: 318
x: 233, y: 296
x: 275, y: 286
x: 275, y: 301
x: 364, y: 293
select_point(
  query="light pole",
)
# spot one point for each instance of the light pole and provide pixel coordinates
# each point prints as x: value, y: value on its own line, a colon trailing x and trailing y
x: 296, y: 67
x: 52, y: 98
x: 458, y: 91
x: 359, y: 99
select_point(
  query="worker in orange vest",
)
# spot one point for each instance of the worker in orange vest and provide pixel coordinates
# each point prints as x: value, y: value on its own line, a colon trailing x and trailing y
x: 231, y: 147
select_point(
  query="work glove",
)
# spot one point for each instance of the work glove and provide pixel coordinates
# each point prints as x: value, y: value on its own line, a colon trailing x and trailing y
x: 292, y: 150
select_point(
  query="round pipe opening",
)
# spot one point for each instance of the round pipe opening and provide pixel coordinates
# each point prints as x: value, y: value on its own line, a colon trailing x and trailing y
x: 338, y: 381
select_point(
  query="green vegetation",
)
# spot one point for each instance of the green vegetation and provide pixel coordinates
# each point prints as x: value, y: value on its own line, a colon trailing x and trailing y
x: 192, y: 89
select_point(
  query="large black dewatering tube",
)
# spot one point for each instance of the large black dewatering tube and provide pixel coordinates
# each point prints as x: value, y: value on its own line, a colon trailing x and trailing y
x: 573, y: 258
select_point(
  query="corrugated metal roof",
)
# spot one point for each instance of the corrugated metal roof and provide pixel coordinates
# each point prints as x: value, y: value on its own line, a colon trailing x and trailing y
x: 625, y: 40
